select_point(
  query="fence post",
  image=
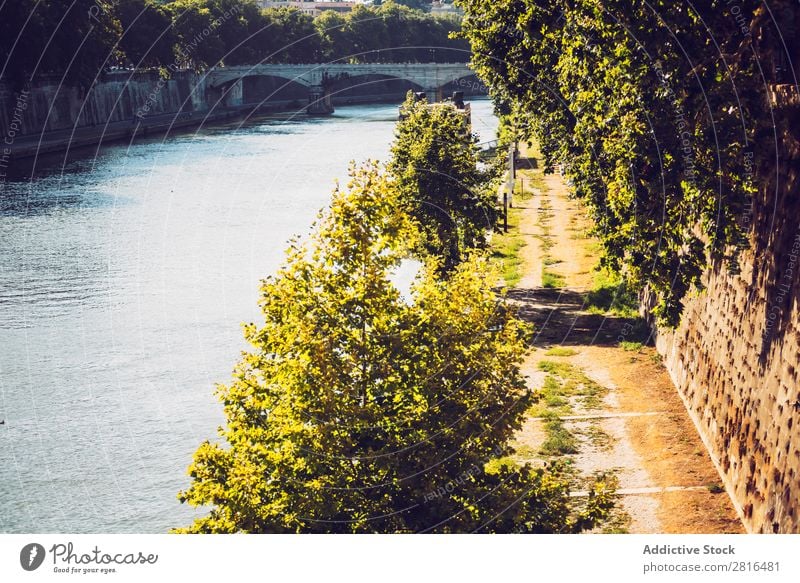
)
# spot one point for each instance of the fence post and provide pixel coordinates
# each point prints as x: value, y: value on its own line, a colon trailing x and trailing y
x: 505, y: 211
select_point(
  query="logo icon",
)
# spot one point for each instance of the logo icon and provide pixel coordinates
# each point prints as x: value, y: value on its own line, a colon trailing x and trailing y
x: 31, y: 556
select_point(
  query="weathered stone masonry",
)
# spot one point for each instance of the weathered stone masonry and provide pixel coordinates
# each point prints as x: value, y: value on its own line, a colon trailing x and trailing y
x: 735, y: 358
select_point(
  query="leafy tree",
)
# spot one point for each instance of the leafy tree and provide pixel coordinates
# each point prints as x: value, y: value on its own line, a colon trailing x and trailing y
x: 199, y: 45
x: 76, y: 41
x: 369, y: 35
x: 147, y: 38
x: 335, y: 40
x: 649, y: 106
x: 245, y: 31
x: 357, y: 411
x: 298, y: 39
x: 435, y: 163
x: 18, y: 54
x: 415, y: 4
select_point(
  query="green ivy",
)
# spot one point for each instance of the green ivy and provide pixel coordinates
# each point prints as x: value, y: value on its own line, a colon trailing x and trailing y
x: 647, y: 106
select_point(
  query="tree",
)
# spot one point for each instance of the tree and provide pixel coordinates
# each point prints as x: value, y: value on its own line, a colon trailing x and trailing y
x: 424, y: 5
x: 244, y: 30
x: 358, y: 411
x: 199, y: 45
x: 147, y: 38
x: 651, y: 116
x: 297, y: 37
x: 435, y: 163
x: 76, y: 42
x: 369, y: 35
x: 335, y: 39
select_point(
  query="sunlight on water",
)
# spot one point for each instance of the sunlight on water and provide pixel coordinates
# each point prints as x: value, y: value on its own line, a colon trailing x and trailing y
x: 123, y: 279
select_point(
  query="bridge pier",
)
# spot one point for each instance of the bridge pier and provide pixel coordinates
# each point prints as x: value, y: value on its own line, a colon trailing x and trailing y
x: 319, y: 78
x: 225, y: 95
x: 434, y: 94
x: 319, y: 101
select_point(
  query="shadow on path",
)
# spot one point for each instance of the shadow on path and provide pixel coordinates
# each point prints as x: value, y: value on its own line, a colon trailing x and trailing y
x: 559, y: 318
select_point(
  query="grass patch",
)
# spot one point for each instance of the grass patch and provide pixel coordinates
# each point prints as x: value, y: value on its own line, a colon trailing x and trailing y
x: 630, y: 346
x: 715, y: 488
x: 547, y: 244
x: 563, y: 370
x: 552, y: 280
x: 506, y: 249
x: 561, y: 351
x: 611, y: 295
x: 599, y: 438
x: 560, y: 441
x: 575, y: 383
x: 551, y: 400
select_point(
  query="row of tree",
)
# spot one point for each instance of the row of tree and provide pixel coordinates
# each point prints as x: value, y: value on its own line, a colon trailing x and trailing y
x: 361, y: 410
x: 89, y: 36
x: 651, y: 107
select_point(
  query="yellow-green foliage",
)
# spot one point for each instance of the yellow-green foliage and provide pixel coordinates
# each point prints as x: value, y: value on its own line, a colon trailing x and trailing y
x: 357, y: 410
x: 506, y: 249
x: 435, y: 165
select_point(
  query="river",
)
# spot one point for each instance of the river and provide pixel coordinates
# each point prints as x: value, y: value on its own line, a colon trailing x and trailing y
x: 124, y: 277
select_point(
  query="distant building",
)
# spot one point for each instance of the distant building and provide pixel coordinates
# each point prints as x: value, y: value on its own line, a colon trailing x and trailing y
x: 442, y: 7
x: 310, y: 7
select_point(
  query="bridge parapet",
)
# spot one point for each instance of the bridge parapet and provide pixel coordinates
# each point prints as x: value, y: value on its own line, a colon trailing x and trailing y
x: 319, y: 78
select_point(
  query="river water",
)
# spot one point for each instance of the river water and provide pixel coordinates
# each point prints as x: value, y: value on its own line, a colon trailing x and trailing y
x: 124, y: 277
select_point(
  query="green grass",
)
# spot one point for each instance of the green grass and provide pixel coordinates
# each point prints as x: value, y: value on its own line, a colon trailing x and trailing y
x: 599, y: 438
x: 611, y: 295
x: 575, y: 382
x: 524, y: 451
x: 561, y: 351
x: 506, y: 248
x: 561, y: 369
x: 552, y: 280
x: 551, y: 400
x: 630, y: 346
x: 559, y: 441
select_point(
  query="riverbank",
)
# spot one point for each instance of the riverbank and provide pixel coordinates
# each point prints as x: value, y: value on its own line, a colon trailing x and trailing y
x: 126, y: 272
x: 129, y: 130
x: 31, y: 146
x: 606, y: 402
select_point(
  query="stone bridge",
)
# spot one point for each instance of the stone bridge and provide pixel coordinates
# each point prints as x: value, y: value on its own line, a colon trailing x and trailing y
x: 320, y: 78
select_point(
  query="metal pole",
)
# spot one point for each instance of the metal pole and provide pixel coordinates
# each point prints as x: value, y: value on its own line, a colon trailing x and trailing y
x: 512, y: 174
x: 505, y: 211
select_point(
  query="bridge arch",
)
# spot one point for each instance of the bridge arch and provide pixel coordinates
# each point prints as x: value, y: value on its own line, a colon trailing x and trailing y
x: 320, y: 79
x: 262, y: 88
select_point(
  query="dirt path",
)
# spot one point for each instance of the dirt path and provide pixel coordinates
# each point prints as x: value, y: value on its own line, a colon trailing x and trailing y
x: 606, y: 403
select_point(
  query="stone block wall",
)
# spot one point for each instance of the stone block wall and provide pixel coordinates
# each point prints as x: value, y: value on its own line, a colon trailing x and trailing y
x: 735, y: 358
x: 50, y: 106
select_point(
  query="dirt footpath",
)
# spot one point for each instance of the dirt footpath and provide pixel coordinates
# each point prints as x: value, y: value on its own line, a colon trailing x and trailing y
x: 606, y: 403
